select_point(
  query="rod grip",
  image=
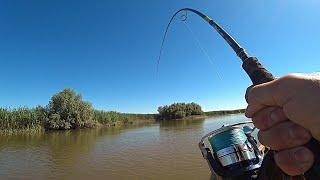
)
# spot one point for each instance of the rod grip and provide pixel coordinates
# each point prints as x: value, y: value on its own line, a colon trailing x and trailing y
x: 258, y: 75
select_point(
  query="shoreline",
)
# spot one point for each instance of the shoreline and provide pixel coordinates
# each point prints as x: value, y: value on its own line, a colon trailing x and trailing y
x: 133, y: 119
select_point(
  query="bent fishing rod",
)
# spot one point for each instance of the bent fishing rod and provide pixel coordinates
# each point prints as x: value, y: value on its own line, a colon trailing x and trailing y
x: 257, y: 73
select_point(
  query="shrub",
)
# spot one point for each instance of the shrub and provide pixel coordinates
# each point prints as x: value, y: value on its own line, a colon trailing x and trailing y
x: 110, y: 117
x: 67, y: 110
x: 21, y: 119
x: 179, y: 110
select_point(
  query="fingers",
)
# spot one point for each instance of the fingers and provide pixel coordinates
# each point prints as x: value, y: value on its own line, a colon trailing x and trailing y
x: 294, y: 161
x: 268, y: 117
x: 284, y: 136
x: 260, y: 96
x: 247, y: 92
x: 274, y: 93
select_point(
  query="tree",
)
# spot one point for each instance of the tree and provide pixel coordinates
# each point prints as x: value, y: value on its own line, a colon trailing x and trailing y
x: 67, y: 110
x: 179, y: 110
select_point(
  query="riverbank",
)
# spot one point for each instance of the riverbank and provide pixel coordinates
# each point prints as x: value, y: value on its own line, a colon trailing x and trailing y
x: 27, y: 121
x: 211, y: 114
x: 30, y: 124
x: 34, y: 120
x: 67, y: 110
x: 224, y: 112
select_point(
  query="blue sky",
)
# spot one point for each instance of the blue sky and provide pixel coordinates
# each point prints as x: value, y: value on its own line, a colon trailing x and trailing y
x: 107, y: 50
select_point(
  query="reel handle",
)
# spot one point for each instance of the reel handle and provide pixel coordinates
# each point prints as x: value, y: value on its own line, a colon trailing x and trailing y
x: 258, y: 75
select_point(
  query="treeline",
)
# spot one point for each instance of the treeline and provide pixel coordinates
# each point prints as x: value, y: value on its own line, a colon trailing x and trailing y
x: 225, y: 112
x: 66, y: 110
x: 179, y: 111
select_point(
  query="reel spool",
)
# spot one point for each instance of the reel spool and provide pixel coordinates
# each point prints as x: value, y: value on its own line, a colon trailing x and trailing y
x: 232, y: 152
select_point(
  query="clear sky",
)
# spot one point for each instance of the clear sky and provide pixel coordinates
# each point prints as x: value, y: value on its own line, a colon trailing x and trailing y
x: 107, y: 50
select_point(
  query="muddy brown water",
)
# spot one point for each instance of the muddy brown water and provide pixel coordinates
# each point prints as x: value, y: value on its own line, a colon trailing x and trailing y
x: 166, y: 150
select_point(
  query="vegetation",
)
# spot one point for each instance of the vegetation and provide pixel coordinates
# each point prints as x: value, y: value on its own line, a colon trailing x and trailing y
x: 67, y: 110
x: 179, y: 111
x: 110, y: 118
x: 21, y: 120
x: 217, y: 113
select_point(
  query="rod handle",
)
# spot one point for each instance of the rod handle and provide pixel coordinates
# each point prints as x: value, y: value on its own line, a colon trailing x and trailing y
x: 258, y: 75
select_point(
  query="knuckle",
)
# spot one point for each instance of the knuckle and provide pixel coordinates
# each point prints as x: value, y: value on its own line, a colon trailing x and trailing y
x: 286, y: 80
x: 291, y: 76
x: 247, y: 92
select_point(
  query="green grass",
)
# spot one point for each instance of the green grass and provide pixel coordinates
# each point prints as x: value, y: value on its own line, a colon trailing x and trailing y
x: 67, y: 110
x: 32, y: 120
x: 26, y: 120
x: 13, y: 121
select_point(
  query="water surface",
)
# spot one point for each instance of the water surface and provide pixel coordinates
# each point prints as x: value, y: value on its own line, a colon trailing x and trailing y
x: 166, y: 150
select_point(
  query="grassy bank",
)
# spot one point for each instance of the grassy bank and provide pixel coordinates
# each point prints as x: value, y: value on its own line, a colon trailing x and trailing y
x: 111, y: 118
x: 66, y: 110
x: 21, y: 120
x: 34, y: 120
x: 224, y: 112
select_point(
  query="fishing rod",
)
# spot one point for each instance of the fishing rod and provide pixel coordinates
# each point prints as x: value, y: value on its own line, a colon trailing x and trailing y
x: 217, y: 159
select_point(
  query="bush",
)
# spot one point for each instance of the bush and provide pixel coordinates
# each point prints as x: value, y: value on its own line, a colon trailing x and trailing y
x: 21, y: 119
x: 110, y: 118
x: 179, y: 110
x: 67, y: 110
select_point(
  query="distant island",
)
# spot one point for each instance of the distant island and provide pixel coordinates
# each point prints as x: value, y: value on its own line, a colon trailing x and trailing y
x: 178, y: 111
x: 67, y: 110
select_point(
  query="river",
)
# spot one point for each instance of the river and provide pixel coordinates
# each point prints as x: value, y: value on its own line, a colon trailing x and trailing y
x: 166, y: 150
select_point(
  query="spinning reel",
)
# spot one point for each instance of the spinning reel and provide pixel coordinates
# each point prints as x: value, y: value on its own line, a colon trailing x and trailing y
x: 232, y: 152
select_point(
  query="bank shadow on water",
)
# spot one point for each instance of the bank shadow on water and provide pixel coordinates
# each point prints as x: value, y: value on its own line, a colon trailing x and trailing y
x: 81, y: 137
x: 50, y: 153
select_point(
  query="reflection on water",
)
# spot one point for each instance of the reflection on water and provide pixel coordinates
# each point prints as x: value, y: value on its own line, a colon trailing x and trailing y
x: 165, y: 150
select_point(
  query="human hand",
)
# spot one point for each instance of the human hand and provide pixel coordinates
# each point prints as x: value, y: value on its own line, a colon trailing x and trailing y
x: 295, y: 97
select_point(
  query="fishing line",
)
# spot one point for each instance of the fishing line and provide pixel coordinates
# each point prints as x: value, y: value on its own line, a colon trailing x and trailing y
x: 204, y: 51
x: 184, y: 18
x: 164, y: 39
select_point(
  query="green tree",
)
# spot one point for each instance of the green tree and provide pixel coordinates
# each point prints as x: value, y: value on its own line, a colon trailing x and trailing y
x: 179, y: 110
x: 67, y: 110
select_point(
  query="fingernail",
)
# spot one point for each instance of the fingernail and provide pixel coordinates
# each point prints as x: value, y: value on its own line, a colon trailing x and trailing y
x: 274, y: 116
x: 292, y: 132
x: 302, y: 155
x: 297, y: 132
